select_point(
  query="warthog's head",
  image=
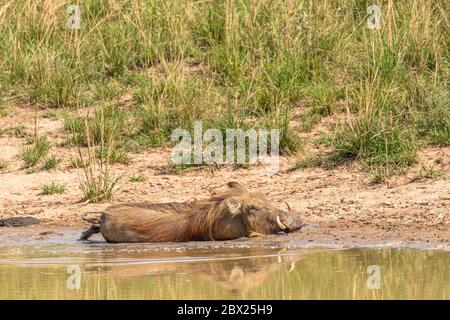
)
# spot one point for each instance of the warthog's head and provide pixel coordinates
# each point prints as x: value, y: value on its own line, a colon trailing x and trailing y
x: 254, y: 214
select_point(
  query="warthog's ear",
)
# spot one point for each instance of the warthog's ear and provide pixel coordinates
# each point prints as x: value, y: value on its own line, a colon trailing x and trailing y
x: 234, y: 204
x: 237, y: 186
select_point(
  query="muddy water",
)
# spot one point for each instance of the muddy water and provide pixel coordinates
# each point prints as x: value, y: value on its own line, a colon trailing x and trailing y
x: 230, y: 270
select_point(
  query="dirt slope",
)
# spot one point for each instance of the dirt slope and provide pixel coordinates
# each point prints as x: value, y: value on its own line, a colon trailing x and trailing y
x: 340, y: 203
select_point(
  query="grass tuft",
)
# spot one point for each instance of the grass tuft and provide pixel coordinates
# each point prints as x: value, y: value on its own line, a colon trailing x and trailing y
x: 3, y: 165
x: 51, y: 162
x: 137, y: 177
x: 53, y: 188
x: 32, y: 155
x: 97, y: 181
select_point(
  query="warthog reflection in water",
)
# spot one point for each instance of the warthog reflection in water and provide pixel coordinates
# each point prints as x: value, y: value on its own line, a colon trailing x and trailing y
x: 233, y: 214
x: 237, y: 274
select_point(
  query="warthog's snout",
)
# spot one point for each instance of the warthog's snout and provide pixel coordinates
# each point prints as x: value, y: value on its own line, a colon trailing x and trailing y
x: 291, y: 221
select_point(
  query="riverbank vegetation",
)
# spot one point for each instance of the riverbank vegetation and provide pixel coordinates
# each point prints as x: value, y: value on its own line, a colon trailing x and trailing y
x: 136, y: 70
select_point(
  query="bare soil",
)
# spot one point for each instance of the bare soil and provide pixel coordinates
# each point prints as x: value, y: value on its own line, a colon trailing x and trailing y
x: 340, y: 204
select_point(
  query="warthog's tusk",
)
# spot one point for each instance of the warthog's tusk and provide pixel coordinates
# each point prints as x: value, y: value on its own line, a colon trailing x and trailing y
x: 282, y: 226
x: 287, y: 204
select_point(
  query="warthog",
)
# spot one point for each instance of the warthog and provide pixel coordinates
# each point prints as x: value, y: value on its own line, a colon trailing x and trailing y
x: 231, y: 215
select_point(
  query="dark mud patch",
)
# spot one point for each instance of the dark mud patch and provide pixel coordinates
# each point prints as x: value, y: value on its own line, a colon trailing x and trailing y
x: 18, y: 222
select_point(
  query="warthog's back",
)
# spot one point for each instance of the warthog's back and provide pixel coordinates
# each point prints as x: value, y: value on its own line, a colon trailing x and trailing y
x: 144, y: 222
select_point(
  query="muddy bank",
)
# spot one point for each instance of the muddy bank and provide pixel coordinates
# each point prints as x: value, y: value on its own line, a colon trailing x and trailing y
x: 312, y: 236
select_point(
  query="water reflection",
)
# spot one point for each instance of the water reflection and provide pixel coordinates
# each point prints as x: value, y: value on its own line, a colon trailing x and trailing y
x: 238, y: 273
x: 118, y: 272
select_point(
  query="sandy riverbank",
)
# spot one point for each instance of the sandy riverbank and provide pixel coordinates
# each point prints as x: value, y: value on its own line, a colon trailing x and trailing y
x: 341, y: 204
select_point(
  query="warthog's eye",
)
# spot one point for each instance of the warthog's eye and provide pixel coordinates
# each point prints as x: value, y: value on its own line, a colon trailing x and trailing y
x: 252, y: 208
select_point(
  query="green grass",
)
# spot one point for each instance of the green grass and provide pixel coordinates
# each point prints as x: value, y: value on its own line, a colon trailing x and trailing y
x: 50, y: 114
x: 19, y: 131
x: 428, y: 172
x: 137, y: 177
x: 312, y: 117
x: 432, y: 119
x: 31, y: 155
x: 308, y: 162
x: 77, y: 162
x: 51, y: 162
x: 99, y: 189
x: 108, y: 120
x: 155, y: 65
x: 53, y: 188
x: 3, y: 111
x: 97, y: 180
x: 3, y: 164
x: 378, y: 144
x: 115, y: 156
